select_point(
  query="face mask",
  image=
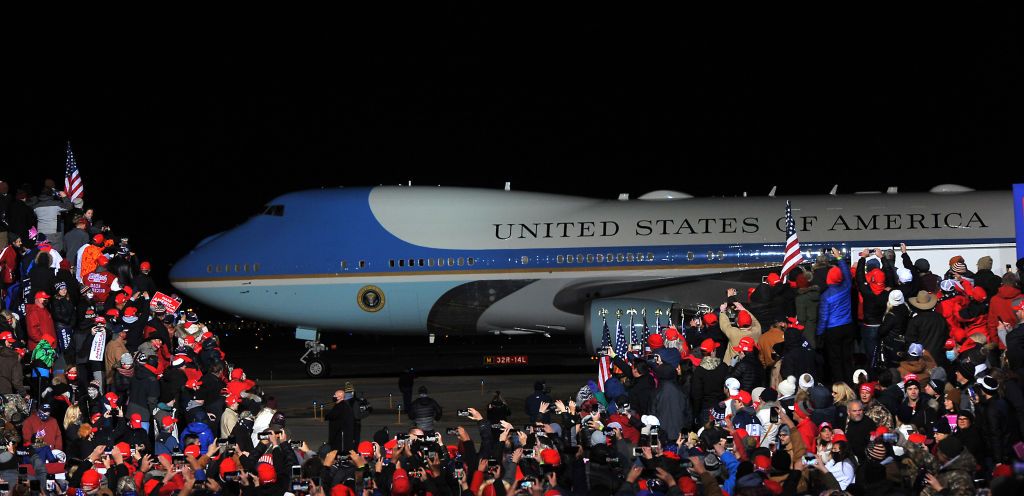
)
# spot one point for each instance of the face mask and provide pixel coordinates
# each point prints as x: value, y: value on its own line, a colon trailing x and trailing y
x: 838, y: 456
x: 950, y: 355
x: 44, y: 416
x: 93, y: 393
x: 72, y: 376
x: 130, y: 319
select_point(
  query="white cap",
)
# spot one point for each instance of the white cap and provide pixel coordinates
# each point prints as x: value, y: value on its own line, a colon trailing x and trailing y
x: 859, y: 372
x: 733, y: 384
x: 755, y: 395
x: 904, y: 275
x: 806, y: 381
x: 650, y: 420
x: 896, y: 298
x: 915, y: 350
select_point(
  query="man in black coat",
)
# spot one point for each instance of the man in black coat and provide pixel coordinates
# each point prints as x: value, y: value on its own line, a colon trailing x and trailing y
x: 20, y: 216
x: 341, y: 424
x: 532, y: 407
x: 708, y: 378
x: 858, y: 428
x: 993, y: 413
x: 748, y: 369
x: 928, y: 327
x: 985, y: 279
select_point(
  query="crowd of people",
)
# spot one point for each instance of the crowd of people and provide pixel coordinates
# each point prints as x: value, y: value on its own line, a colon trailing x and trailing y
x: 876, y: 378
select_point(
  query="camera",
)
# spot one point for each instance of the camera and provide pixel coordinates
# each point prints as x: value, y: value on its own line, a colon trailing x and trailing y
x: 463, y: 413
x: 602, y: 352
x: 655, y: 484
x: 452, y: 431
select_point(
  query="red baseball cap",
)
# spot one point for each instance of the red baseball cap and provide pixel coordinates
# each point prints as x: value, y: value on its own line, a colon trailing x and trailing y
x: 168, y: 421
x: 950, y: 344
x: 91, y: 480
x: 746, y: 345
x: 400, y: 484
x: 192, y: 449
x: 550, y: 457
x: 120, y: 299
x: 102, y: 260
x: 365, y: 449
x: 42, y: 295
x: 655, y: 341
x: 794, y: 323
x: 144, y: 266
x: 742, y: 396
x: 709, y: 345
x: 671, y: 334
x: 917, y: 438
x: 267, y: 473
x: 135, y: 421
x: 743, y: 319
x: 710, y: 319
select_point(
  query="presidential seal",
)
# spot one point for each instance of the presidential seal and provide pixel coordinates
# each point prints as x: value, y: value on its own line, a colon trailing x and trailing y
x: 370, y: 298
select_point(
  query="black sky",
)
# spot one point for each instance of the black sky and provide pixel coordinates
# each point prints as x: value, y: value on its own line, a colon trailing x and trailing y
x: 187, y: 132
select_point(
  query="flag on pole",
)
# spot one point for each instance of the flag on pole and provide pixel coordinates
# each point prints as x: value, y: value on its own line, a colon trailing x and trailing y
x: 793, y: 257
x: 645, y: 332
x: 633, y: 339
x: 657, y: 322
x: 73, y: 185
x: 604, y: 363
x: 620, y: 339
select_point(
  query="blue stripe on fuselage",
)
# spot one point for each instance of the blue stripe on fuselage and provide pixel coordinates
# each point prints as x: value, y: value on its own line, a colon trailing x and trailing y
x: 321, y: 228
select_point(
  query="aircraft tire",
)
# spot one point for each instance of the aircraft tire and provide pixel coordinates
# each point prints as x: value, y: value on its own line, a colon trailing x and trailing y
x: 317, y: 368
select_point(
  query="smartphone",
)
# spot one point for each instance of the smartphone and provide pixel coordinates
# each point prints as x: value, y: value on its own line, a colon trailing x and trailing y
x: 890, y: 438
x: 263, y: 436
x: 452, y: 431
x: 773, y: 416
x: 810, y: 460
x: 5, y: 486
x: 529, y: 453
x: 296, y: 471
x: 463, y: 412
x: 493, y: 462
x: 222, y: 442
x: 22, y: 472
x: 638, y: 451
x: 230, y: 476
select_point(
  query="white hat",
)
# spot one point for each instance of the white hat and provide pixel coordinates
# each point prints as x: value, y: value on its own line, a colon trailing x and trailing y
x: 904, y: 275
x: 755, y: 395
x: 896, y: 298
x: 859, y: 372
x: 806, y: 381
x: 733, y: 384
x: 650, y: 420
x: 787, y: 387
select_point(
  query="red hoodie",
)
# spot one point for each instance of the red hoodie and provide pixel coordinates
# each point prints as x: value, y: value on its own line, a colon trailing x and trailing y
x: 1001, y: 308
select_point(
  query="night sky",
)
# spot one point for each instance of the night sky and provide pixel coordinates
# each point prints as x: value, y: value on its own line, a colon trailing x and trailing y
x: 182, y: 136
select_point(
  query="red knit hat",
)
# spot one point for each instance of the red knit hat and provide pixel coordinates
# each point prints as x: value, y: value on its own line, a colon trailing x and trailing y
x: 687, y: 486
x: 342, y: 490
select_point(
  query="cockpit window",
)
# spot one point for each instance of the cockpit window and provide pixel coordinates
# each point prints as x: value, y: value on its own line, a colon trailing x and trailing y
x: 274, y: 210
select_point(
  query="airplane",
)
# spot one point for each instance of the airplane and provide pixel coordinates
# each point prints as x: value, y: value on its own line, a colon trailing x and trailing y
x: 402, y: 260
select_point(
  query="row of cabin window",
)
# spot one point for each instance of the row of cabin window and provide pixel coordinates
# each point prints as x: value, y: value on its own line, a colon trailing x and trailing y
x: 228, y: 268
x: 430, y: 262
x: 619, y: 257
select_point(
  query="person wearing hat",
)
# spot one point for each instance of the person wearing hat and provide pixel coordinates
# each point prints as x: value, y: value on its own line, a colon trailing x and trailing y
x: 835, y: 319
x: 873, y: 408
x: 958, y: 268
x: 101, y: 280
x: 38, y: 321
x: 919, y: 362
x: 705, y: 385
x: 746, y: 326
x: 706, y: 327
x: 928, y: 327
x: 949, y: 471
x: 12, y: 377
x: 116, y: 347
x: 916, y: 408
x: 41, y: 421
x: 1001, y: 428
x: 76, y: 238
x: 871, y: 285
x: 143, y: 282
x: 748, y: 370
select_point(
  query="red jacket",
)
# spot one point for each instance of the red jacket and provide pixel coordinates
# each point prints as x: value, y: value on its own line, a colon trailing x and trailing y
x: 8, y: 262
x: 40, y: 325
x: 1001, y: 308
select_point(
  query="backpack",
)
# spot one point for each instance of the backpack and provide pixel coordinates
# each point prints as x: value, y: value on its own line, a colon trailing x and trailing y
x: 361, y: 408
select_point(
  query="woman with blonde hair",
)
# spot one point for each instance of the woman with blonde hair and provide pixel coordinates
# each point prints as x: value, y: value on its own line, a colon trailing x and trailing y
x: 842, y: 394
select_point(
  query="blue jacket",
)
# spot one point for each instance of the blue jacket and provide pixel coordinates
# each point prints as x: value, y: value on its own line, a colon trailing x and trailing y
x: 169, y: 445
x: 203, y: 432
x: 732, y: 465
x: 834, y: 309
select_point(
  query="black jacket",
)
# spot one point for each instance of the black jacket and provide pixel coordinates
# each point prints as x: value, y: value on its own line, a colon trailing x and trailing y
x: 706, y: 385
x: 144, y: 283
x: 424, y: 411
x: 63, y: 312
x: 749, y: 372
x: 988, y: 281
x: 11, y: 374
x: 641, y: 394
x: 799, y: 357
x: 999, y: 431
x: 74, y: 287
x: 858, y: 434
x: 20, y: 217
x: 1015, y: 348
x: 929, y: 328
x: 341, y: 427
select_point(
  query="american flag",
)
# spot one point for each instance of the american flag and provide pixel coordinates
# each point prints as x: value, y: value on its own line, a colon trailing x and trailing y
x: 620, y: 340
x: 604, y: 363
x: 634, y: 340
x: 72, y: 181
x: 645, y: 331
x: 793, y: 256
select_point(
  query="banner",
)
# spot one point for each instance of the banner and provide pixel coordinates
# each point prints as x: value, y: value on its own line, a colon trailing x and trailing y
x: 169, y: 303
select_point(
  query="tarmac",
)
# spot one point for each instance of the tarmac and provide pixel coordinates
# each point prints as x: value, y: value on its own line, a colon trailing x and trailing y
x: 304, y: 421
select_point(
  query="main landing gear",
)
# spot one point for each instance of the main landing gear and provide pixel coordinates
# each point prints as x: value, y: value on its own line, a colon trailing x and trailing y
x: 314, y: 358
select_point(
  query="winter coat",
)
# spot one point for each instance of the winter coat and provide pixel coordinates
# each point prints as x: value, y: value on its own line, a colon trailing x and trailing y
x: 735, y: 334
x: 8, y: 264
x: 63, y: 312
x: 20, y: 217
x: 798, y: 357
x: 835, y: 308
x: 40, y: 325
x: 424, y: 411
x: 641, y: 394
x: 749, y: 372
x: 878, y: 413
x: 807, y: 301
x: 707, y: 383
x: 672, y: 407
x: 988, y: 281
x: 341, y: 427
x: 42, y: 277
x: 922, y: 367
x: 1015, y: 348
x: 999, y: 431
x: 203, y: 432
x: 47, y: 209
x: 1000, y: 308
x: 873, y: 305
x: 766, y: 343
x: 144, y: 283
x: 973, y: 318
x: 956, y: 476
x: 73, y: 241
x: 929, y: 329
x: 11, y: 374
